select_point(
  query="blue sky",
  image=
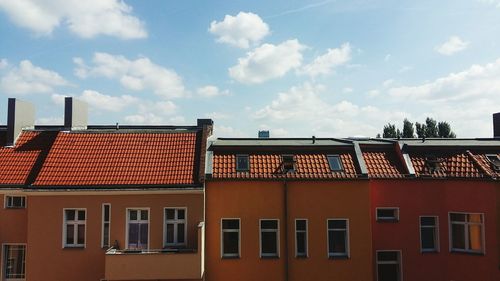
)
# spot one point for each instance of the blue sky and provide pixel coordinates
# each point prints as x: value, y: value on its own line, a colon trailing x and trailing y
x: 297, y: 68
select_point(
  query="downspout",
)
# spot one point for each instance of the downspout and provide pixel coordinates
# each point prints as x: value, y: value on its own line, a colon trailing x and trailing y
x: 285, y: 202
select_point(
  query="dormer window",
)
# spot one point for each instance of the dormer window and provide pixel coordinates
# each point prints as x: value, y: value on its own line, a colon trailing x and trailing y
x: 494, y: 160
x: 335, y: 163
x: 288, y: 163
x: 242, y: 163
x: 433, y: 163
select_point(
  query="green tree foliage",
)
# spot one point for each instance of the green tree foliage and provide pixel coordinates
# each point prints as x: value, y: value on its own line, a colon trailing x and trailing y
x: 389, y: 131
x: 430, y: 129
x: 444, y: 130
x: 408, y: 131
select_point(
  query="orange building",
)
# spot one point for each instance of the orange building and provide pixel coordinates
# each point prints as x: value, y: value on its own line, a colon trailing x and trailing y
x: 100, y: 202
x: 287, y: 209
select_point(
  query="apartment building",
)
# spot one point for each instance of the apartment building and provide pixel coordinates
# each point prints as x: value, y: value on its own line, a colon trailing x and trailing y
x: 85, y: 202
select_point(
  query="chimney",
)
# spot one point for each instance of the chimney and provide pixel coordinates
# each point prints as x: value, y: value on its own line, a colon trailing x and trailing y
x: 496, y: 125
x: 263, y: 134
x: 20, y: 116
x: 75, y: 114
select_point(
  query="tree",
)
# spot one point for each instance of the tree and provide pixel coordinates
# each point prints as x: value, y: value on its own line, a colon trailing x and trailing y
x: 444, y: 130
x: 431, y: 129
x: 420, y: 130
x: 389, y: 131
x: 408, y: 131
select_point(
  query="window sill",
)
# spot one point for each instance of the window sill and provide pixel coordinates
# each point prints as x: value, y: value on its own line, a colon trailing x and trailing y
x: 429, y: 251
x: 466, y: 253
x: 387, y: 220
x: 339, y: 257
x: 270, y: 257
x: 230, y: 257
x: 73, y: 247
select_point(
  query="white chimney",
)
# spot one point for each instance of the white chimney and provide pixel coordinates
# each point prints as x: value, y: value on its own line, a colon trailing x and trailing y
x: 75, y: 114
x: 20, y: 116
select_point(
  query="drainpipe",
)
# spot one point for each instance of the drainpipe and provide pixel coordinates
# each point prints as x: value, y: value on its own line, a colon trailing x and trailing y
x: 285, y: 202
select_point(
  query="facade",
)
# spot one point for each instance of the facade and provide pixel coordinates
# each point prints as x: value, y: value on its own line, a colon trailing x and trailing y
x: 101, y: 202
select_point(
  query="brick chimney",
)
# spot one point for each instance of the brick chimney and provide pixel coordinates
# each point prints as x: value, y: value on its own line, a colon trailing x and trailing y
x: 20, y: 116
x: 496, y: 125
x: 75, y: 114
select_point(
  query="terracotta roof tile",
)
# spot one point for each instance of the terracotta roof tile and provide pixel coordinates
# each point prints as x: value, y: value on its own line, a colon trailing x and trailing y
x: 458, y: 164
x: 383, y: 164
x: 268, y: 166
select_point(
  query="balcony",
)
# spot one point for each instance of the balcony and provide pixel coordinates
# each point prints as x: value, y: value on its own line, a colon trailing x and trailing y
x: 157, y: 264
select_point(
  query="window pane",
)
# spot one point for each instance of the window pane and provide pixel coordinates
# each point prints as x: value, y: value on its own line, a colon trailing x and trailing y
x: 144, y: 235
x: 15, y: 261
x: 387, y: 213
x: 337, y: 224
x: 230, y: 224
x: 387, y: 256
x: 334, y: 162
x: 144, y: 215
x: 300, y: 224
x: 457, y: 217
x: 105, y: 236
x: 81, y: 234
x: 337, y: 242
x: 388, y: 272
x: 81, y: 215
x: 106, y: 212
x: 242, y: 163
x: 429, y: 221
x: 170, y: 233
x: 170, y: 213
x: 132, y: 215
x: 269, y: 243
x: 230, y: 242
x: 70, y: 215
x: 133, y: 235
x: 428, y: 238
x: 301, y: 243
x: 17, y: 201
x: 180, y: 233
x: 476, y: 218
x: 269, y: 224
x: 70, y: 234
x: 475, y: 237
x: 181, y: 214
x: 458, y: 236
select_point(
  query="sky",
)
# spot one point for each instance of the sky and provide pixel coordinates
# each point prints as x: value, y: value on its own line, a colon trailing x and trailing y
x: 297, y: 68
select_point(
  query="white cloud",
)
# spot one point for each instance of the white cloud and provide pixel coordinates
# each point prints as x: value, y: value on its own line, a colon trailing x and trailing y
x: 388, y: 82
x: 268, y: 62
x: 226, y: 132
x: 3, y: 63
x: 373, y: 93
x: 107, y: 102
x: 86, y: 19
x: 58, y: 99
x: 492, y: 2
x: 324, y: 64
x: 210, y: 91
x: 347, y: 90
x: 242, y: 30
x: 136, y: 75
x: 50, y: 121
x: 30, y: 79
x: 217, y: 115
x: 155, y: 113
x: 454, y: 45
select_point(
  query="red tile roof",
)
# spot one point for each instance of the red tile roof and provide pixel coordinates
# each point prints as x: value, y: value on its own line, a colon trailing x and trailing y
x: 383, y: 164
x: 17, y: 163
x: 486, y: 165
x: 458, y: 164
x: 268, y: 166
x: 81, y: 159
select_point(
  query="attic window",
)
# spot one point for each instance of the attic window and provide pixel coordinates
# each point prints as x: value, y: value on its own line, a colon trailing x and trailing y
x: 494, y: 160
x: 335, y: 163
x: 242, y: 163
x: 433, y: 163
x: 288, y: 162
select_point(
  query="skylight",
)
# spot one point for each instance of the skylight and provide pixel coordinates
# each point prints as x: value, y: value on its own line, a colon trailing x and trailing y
x: 335, y: 163
x: 242, y: 163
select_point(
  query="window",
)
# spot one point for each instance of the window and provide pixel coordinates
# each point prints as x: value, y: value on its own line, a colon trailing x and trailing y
x: 106, y: 223
x: 138, y: 228
x: 175, y: 227
x: 429, y: 234
x: 388, y: 266
x: 288, y: 163
x: 14, y: 262
x: 335, y: 163
x: 301, y: 238
x: 466, y: 232
x: 387, y: 214
x: 242, y: 163
x: 15, y: 202
x: 230, y: 238
x: 269, y: 242
x: 74, y: 228
x: 338, y: 238
x: 494, y: 160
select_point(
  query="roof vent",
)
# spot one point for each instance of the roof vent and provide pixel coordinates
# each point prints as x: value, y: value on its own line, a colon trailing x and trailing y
x: 314, y: 139
x: 434, y: 164
x: 263, y: 134
x: 495, y: 161
x: 20, y: 116
x: 288, y: 163
x: 75, y: 114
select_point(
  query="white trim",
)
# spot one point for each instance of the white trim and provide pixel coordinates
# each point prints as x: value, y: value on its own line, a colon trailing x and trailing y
x: 185, y: 221
x: 66, y: 246
x: 466, y: 237
x: 102, y: 225
x: 2, y: 267
x: 306, y: 238
x: 387, y: 219
x: 127, y: 222
x: 437, y: 248
x: 6, y: 195
x: 347, y: 240
x: 277, y: 255
x: 222, y: 239
x: 400, y: 262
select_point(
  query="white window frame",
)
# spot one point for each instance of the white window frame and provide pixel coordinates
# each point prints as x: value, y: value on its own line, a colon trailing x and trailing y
x: 109, y: 226
x: 127, y: 224
x: 306, y: 236
x: 6, y: 204
x: 277, y: 255
x: 4, y: 263
x: 387, y: 219
x: 222, y: 230
x: 436, y: 234
x: 64, y: 224
x: 347, y: 240
x: 466, y: 237
x: 341, y: 166
x: 176, y: 223
x: 236, y: 162
x: 400, y: 262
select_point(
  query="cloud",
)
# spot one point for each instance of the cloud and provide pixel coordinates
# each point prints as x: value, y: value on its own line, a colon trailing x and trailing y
x: 226, y: 132
x: 242, y: 30
x: 217, y: 115
x: 268, y: 62
x: 49, y: 121
x: 388, y: 82
x: 492, y: 2
x: 347, y: 90
x: 210, y: 91
x: 3, y: 63
x: 454, y: 45
x: 155, y: 113
x: 30, y: 79
x: 135, y: 75
x: 107, y: 102
x: 86, y: 19
x: 325, y: 64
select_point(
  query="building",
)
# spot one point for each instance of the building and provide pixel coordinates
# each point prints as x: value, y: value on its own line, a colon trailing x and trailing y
x: 85, y: 202
x: 287, y: 209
